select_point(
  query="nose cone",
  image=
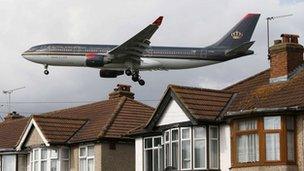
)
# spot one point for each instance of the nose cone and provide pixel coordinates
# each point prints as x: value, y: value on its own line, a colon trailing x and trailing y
x: 25, y: 55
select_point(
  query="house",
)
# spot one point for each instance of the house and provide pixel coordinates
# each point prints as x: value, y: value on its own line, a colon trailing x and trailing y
x: 255, y: 124
x: 83, y: 138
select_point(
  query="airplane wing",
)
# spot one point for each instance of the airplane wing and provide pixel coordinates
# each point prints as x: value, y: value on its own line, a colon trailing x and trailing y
x: 135, y: 47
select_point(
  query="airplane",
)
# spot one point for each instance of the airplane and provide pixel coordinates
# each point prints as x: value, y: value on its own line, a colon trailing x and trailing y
x: 136, y: 54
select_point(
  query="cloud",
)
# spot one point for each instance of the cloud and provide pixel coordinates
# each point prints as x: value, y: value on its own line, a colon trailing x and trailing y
x: 25, y: 23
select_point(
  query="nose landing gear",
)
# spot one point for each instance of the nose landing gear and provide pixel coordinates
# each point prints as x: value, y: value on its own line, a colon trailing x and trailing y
x: 46, y: 71
x: 135, y: 76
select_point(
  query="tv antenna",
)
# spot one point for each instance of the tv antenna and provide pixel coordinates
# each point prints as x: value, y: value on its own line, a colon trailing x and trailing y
x: 269, y: 19
x: 9, y: 93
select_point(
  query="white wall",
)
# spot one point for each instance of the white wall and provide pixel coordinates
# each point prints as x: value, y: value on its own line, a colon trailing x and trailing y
x: 225, y: 148
x: 172, y: 114
x: 139, y: 154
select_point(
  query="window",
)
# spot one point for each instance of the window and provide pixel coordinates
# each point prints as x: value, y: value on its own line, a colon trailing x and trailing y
x: 214, y: 147
x: 247, y: 141
x: 8, y: 162
x: 275, y: 135
x: 86, y: 158
x: 272, y: 126
x: 290, y: 138
x: 65, y: 159
x: 45, y: 159
x: 186, y: 148
x: 175, y: 147
x: 167, y: 149
x: 153, y: 154
x: 199, y: 148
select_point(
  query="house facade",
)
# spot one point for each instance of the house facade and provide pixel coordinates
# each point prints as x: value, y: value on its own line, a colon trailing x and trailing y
x: 83, y: 138
x: 255, y: 124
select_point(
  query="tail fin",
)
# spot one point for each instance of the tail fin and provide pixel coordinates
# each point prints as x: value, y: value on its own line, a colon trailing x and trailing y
x: 240, y: 33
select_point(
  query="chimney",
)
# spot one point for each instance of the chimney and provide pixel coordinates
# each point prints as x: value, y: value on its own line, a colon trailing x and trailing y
x: 286, y: 58
x: 121, y: 91
x: 12, y: 116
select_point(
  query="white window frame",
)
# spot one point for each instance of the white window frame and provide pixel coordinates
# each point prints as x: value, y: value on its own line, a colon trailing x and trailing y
x: 31, y: 164
x: 86, y: 157
x: 181, y: 143
x: 153, y: 148
x: 217, y: 139
x: 178, y: 144
x: 65, y: 159
x: 206, y: 151
x: 165, y: 149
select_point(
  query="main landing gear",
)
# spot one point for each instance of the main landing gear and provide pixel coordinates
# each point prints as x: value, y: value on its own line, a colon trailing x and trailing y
x: 135, y: 76
x: 46, y: 71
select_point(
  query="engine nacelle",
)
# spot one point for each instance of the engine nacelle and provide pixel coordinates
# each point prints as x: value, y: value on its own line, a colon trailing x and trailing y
x: 110, y: 73
x: 97, y: 60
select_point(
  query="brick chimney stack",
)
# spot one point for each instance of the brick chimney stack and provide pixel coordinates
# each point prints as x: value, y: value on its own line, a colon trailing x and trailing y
x: 121, y: 91
x: 12, y: 116
x: 286, y: 58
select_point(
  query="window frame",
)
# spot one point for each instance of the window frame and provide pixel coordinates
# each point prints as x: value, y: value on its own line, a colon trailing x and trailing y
x: 262, y: 142
x: 272, y: 131
x: 218, y: 147
x: 181, y: 146
x: 206, y: 148
x: 247, y: 132
x: 178, y: 146
x: 152, y: 148
x: 86, y: 157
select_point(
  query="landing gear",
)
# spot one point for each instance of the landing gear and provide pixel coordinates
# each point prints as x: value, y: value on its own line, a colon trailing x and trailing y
x: 141, y: 82
x: 128, y: 72
x: 46, y: 71
x: 135, y: 76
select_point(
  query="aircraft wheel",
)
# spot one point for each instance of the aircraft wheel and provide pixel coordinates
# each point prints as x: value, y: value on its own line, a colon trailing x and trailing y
x: 141, y: 82
x: 46, y: 72
x: 128, y: 72
x: 135, y: 78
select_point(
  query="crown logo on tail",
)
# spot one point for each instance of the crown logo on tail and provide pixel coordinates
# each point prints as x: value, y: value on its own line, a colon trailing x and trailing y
x: 236, y: 35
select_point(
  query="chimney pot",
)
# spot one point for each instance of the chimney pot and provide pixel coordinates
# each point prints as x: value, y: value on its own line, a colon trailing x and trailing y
x: 290, y: 38
x: 277, y: 42
x: 12, y: 116
x: 122, y: 90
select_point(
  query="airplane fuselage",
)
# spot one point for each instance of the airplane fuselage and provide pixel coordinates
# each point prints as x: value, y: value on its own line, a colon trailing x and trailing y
x: 154, y: 58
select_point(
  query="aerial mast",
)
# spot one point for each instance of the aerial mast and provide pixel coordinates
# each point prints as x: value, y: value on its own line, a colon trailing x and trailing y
x: 269, y: 19
x: 9, y: 92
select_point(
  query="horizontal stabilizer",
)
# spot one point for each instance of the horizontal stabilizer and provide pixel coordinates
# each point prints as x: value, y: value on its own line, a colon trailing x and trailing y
x: 242, y: 49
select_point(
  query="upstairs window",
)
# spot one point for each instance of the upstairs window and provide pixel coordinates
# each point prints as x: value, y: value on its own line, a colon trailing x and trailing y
x: 272, y: 127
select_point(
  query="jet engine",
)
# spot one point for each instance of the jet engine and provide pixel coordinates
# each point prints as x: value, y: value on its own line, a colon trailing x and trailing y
x: 96, y: 60
x: 110, y: 73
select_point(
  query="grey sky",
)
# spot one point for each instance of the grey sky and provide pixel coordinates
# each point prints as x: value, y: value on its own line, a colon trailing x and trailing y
x: 25, y: 23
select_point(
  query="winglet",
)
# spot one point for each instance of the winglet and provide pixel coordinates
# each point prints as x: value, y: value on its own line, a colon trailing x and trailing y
x: 158, y: 21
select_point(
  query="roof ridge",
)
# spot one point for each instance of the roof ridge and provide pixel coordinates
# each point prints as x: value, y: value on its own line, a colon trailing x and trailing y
x: 119, y: 106
x: 58, y: 117
x: 246, y: 79
x: 198, y: 88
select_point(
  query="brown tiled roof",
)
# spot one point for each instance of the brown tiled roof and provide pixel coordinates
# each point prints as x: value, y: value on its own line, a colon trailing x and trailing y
x: 202, y: 103
x: 106, y: 119
x: 257, y: 92
x: 58, y: 129
x: 10, y: 131
x: 111, y: 118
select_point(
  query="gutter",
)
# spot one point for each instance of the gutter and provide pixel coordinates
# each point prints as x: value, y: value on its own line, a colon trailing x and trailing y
x: 264, y: 110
